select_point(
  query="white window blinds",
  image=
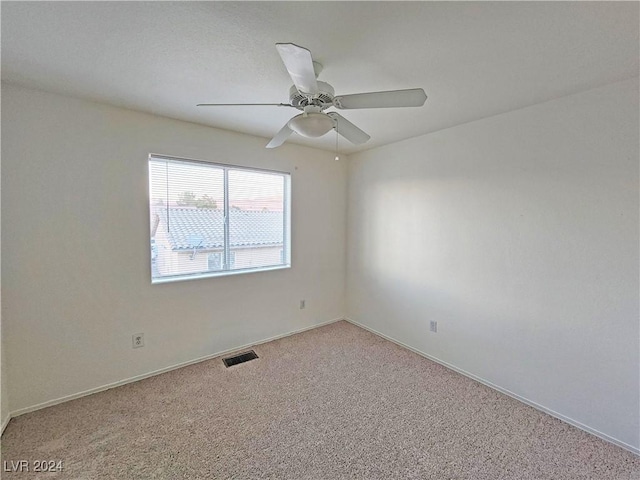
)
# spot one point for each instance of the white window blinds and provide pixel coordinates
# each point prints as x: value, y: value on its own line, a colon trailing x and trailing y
x: 210, y: 219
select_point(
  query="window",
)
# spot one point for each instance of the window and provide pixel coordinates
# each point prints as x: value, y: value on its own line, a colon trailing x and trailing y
x: 211, y: 220
x: 214, y: 261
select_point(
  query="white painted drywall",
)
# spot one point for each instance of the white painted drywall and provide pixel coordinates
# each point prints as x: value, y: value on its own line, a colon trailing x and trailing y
x: 4, y: 394
x: 75, y: 248
x: 518, y: 234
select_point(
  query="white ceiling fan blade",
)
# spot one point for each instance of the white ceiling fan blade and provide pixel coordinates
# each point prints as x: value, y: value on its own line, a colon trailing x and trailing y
x: 299, y: 64
x: 414, y: 97
x: 244, y: 105
x: 280, y: 137
x: 348, y: 130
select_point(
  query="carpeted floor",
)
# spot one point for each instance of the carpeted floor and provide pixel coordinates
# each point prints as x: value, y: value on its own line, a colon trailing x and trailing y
x: 332, y: 403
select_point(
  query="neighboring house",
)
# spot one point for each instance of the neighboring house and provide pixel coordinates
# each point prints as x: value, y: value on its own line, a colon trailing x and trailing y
x: 191, y: 240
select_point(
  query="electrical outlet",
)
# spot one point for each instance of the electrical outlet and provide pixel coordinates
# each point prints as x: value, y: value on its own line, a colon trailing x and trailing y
x: 433, y: 326
x: 138, y: 340
x: 302, y: 304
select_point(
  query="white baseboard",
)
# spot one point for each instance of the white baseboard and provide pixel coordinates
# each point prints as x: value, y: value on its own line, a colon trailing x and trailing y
x: 524, y: 400
x: 5, y: 422
x: 102, y: 388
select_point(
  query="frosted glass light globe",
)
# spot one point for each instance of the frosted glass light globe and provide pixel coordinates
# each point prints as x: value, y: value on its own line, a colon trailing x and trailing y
x: 312, y: 125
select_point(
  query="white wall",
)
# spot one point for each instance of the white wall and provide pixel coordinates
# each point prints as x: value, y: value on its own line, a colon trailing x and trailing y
x: 518, y: 234
x: 75, y: 248
x: 4, y: 394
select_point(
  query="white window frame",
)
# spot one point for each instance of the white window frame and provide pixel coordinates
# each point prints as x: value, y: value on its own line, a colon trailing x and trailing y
x: 226, y: 253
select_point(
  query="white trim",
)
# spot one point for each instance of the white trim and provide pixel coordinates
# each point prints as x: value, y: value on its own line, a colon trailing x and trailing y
x: 524, y: 400
x: 119, y: 383
x: 221, y: 273
x: 4, y: 424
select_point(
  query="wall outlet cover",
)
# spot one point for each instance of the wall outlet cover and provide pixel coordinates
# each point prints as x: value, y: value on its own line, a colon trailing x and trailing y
x: 138, y: 340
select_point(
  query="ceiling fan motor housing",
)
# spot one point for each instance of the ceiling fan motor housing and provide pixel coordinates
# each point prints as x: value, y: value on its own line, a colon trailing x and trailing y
x: 322, y: 99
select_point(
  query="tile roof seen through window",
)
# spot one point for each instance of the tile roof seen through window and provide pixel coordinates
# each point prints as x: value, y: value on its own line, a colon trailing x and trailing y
x: 190, y: 228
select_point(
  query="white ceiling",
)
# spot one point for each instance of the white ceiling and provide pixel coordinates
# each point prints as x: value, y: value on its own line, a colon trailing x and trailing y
x: 474, y: 59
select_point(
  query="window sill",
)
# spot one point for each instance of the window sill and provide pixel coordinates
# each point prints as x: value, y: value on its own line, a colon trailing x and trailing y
x: 226, y: 273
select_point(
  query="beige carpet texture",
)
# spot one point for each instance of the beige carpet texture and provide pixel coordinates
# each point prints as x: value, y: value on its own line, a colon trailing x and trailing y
x: 336, y: 402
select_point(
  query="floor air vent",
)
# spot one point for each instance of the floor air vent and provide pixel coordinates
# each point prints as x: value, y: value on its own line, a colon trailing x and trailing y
x: 236, y: 359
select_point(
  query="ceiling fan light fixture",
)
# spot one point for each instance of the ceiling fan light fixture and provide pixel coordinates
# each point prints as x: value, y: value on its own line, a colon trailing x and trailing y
x: 311, y: 125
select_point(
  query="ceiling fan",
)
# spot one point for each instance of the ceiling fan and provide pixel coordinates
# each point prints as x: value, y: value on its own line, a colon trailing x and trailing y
x: 313, y: 97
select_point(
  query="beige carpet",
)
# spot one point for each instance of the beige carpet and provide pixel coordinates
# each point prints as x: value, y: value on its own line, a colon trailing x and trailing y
x: 332, y: 403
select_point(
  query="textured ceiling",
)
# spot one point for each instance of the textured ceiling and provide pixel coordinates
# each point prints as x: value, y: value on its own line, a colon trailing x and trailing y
x: 474, y: 59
